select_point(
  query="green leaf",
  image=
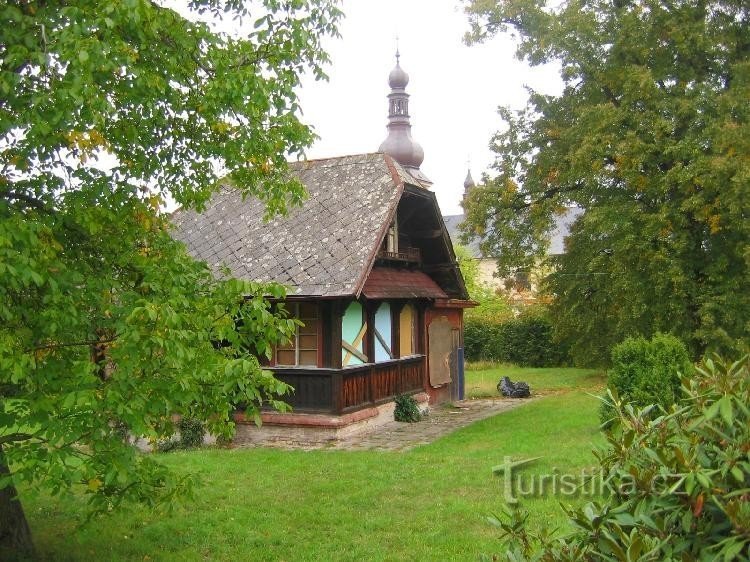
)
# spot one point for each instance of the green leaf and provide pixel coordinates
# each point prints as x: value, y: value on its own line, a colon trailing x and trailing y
x: 725, y: 407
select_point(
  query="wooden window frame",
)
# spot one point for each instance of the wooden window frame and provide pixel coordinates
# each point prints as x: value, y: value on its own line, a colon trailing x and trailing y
x: 294, y: 309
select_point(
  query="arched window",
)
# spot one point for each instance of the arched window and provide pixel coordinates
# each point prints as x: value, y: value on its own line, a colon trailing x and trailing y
x: 383, y: 333
x: 407, y: 324
x: 353, y: 330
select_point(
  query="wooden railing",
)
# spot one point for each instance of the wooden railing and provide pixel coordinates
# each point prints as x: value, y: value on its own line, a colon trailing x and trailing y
x: 338, y: 391
x: 404, y: 254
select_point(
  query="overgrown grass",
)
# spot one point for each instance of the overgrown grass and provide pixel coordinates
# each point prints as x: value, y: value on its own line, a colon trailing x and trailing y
x: 426, y: 504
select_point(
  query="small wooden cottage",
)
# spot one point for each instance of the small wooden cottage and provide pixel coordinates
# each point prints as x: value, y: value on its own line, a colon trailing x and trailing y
x: 371, y: 272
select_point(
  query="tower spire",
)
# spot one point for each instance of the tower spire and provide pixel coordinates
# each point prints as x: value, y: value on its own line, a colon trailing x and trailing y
x: 468, y: 182
x: 399, y: 144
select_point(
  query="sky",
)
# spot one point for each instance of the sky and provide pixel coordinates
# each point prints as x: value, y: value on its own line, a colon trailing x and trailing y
x: 455, y: 89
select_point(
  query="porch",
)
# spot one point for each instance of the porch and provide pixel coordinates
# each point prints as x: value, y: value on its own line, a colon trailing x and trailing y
x: 352, y: 388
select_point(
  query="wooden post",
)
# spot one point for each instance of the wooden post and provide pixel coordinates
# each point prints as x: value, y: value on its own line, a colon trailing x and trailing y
x: 422, y: 319
x: 334, y: 334
x: 396, y: 308
x: 337, y: 389
x: 369, y: 384
x: 369, y: 318
x: 399, y: 379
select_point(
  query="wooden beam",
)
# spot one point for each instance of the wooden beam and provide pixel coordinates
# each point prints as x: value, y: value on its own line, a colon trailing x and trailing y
x: 351, y: 350
x: 424, y: 234
x: 383, y: 343
x: 440, y: 267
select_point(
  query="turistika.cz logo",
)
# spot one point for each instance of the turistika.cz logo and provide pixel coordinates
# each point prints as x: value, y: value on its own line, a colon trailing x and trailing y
x: 589, y: 482
x: 517, y: 484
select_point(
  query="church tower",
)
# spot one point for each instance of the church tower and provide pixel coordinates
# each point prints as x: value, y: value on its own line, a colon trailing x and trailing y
x: 399, y: 144
x: 468, y: 185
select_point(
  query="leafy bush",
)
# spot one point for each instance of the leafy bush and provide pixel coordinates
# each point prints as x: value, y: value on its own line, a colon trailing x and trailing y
x: 646, y: 372
x: 677, y: 485
x: 167, y: 445
x: 526, y: 341
x: 192, y: 432
x: 406, y: 409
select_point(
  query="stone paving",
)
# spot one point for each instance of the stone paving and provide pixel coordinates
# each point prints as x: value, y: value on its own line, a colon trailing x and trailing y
x: 444, y: 419
x: 391, y: 435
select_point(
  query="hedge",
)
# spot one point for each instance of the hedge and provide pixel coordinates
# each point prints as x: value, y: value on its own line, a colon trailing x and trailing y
x: 526, y: 341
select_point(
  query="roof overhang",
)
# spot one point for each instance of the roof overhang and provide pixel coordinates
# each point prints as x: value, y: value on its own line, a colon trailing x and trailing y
x: 455, y: 303
x: 391, y: 283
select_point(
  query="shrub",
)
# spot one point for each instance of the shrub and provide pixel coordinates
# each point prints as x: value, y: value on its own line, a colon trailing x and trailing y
x: 192, y: 432
x: 526, y: 341
x: 406, y: 409
x: 646, y: 372
x: 676, y: 484
x: 167, y: 445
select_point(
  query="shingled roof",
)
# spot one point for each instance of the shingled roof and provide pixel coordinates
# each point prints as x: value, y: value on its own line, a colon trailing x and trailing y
x: 324, y: 248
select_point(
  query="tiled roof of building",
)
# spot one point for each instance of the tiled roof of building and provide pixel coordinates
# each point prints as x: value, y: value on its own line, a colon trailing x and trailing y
x: 451, y: 223
x: 387, y: 283
x: 561, y: 231
x: 323, y: 248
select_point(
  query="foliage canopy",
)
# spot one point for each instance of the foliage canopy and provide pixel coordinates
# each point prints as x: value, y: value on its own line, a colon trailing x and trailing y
x: 650, y: 137
x: 107, y: 110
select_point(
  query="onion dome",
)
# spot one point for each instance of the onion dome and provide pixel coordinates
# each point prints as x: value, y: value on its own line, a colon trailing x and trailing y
x: 399, y: 144
x: 398, y: 79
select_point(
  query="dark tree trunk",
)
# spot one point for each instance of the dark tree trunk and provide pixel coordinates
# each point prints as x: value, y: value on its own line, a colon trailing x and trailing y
x: 15, y: 536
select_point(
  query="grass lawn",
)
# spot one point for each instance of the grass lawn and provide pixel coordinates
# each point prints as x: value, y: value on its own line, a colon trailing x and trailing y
x: 426, y: 504
x: 481, y: 379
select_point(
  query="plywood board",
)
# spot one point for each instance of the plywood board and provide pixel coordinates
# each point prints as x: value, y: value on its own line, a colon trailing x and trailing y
x: 441, y: 344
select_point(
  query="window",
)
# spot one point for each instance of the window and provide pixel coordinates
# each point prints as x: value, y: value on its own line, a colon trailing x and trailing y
x: 353, y: 330
x: 302, y: 349
x: 407, y: 328
x: 383, y: 333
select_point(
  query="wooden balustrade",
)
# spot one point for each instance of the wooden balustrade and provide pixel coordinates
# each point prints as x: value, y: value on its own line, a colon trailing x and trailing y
x: 345, y: 390
x: 406, y: 254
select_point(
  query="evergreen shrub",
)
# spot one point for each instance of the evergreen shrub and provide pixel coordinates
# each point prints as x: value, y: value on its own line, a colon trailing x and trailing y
x: 646, y: 372
x: 676, y: 484
x: 192, y: 432
x: 407, y: 409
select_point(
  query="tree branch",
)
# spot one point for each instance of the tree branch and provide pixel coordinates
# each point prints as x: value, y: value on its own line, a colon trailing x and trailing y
x: 15, y: 437
x: 71, y: 344
x: 28, y: 199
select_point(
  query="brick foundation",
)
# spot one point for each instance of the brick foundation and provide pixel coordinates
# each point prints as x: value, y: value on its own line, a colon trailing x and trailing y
x: 314, y: 430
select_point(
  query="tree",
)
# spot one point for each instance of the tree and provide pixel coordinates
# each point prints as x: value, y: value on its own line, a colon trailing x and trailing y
x: 107, y: 327
x: 470, y: 271
x: 651, y: 139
